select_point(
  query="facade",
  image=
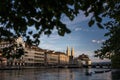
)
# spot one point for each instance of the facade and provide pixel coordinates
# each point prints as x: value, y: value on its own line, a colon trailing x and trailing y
x: 89, y: 62
x: 63, y: 58
x: 56, y: 58
x: 52, y: 58
x: 85, y: 59
x: 3, y: 61
x: 78, y: 62
x: 19, y: 41
x: 33, y: 56
x: 6, y: 44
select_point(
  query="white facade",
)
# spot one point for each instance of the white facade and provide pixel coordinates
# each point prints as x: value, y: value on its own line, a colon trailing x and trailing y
x: 89, y: 62
x: 34, y: 56
x: 19, y: 41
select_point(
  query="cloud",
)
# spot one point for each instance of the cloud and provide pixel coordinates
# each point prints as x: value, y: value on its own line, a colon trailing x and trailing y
x: 51, y: 37
x: 50, y: 47
x: 89, y: 53
x: 94, y: 41
x: 84, y: 29
x: 78, y: 29
x: 98, y: 41
x: 89, y: 30
x: 71, y: 38
x: 48, y: 40
x: 54, y: 37
x: 54, y: 31
x: 78, y: 19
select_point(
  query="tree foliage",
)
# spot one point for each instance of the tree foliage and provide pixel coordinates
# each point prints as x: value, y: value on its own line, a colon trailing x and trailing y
x: 16, y: 16
x: 111, y: 47
x: 9, y: 52
x: 14, y: 51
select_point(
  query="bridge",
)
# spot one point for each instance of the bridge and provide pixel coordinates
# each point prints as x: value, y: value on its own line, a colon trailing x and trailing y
x: 101, y: 65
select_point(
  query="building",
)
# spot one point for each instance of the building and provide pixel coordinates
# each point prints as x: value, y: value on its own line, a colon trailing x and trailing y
x: 70, y: 54
x: 89, y: 62
x: 56, y: 58
x: 63, y: 58
x: 20, y: 43
x: 78, y: 62
x: 33, y: 56
x: 68, y: 51
x: 52, y: 58
x: 84, y: 59
x: 14, y: 45
x: 3, y: 61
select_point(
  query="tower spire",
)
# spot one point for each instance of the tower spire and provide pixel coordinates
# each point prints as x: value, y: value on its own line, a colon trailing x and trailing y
x: 68, y: 51
x: 72, y: 52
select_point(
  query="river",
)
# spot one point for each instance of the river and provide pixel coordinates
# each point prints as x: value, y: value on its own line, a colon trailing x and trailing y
x: 57, y: 74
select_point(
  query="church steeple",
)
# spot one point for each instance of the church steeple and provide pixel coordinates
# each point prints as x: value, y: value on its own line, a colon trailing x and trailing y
x: 72, y: 52
x: 68, y: 51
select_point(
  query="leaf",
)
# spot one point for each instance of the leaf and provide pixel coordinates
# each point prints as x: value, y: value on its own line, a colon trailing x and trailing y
x: 100, y: 26
x: 30, y: 32
x: 107, y: 34
x: 98, y: 19
x: 35, y: 35
x: 91, y: 22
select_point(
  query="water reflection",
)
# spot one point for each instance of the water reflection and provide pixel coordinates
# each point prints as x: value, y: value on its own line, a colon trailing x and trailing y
x: 116, y: 74
x: 53, y: 74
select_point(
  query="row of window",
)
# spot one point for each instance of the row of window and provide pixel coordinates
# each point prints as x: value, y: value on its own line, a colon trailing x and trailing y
x: 39, y: 53
x: 38, y: 57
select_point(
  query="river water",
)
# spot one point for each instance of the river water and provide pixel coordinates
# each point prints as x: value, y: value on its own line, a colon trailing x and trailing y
x: 56, y: 74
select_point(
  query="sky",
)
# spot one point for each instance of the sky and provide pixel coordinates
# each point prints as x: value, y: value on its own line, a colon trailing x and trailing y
x: 83, y: 39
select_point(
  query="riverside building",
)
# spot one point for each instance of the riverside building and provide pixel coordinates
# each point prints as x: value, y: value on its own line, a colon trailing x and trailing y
x: 70, y: 54
x: 51, y: 58
x: 33, y: 56
x: 10, y: 43
x: 56, y: 58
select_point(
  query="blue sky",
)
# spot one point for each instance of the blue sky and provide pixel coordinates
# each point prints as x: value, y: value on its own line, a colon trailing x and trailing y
x: 84, y: 39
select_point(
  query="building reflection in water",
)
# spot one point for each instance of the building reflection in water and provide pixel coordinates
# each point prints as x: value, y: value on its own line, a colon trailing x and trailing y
x: 55, y: 74
x: 37, y: 74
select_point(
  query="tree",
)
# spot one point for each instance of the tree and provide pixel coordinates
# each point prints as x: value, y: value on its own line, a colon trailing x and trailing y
x: 16, y: 16
x: 111, y: 47
x: 14, y: 51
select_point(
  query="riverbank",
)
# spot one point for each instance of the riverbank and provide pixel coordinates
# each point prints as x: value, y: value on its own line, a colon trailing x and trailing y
x: 49, y: 67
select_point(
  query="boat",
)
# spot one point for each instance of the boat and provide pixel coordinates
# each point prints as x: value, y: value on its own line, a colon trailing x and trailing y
x: 99, y: 71
x: 108, y: 70
x: 88, y: 73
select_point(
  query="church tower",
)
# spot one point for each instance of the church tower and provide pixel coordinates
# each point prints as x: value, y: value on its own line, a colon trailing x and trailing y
x: 72, y: 52
x: 68, y: 51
